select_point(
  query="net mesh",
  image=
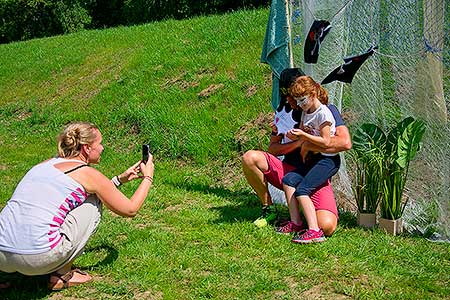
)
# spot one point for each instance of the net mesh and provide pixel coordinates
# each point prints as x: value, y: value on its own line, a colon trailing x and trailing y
x: 408, y: 75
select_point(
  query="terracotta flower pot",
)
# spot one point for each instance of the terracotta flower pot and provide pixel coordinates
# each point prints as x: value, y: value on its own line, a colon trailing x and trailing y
x: 393, y: 227
x: 367, y: 220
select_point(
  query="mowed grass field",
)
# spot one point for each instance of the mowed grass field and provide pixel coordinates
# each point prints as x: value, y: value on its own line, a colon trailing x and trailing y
x: 197, y: 93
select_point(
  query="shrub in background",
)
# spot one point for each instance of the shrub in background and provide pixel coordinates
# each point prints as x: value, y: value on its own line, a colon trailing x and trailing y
x: 26, y: 19
x: 71, y: 15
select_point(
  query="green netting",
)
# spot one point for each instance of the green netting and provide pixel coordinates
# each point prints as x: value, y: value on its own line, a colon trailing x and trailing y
x: 407, y: 76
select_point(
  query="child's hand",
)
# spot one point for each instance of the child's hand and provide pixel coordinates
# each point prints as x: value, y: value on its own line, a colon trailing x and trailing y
x: 295, y: 134
x: 307, y: 129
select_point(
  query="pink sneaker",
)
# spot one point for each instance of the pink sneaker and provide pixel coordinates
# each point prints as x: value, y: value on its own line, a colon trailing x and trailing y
x: 310, y: 236
x: 290, y: 227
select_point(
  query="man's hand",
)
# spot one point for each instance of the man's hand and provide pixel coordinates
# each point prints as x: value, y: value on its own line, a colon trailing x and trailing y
x: 274, y: 128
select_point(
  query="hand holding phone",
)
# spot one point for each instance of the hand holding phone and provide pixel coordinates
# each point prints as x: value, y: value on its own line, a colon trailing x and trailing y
x: 145, y: 152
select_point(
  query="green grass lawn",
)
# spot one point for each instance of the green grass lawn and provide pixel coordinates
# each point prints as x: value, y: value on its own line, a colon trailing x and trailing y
x: 195, y: 91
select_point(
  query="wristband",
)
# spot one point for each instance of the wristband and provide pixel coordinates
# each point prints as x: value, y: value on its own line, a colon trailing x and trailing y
x: 274, y: 133
x: 116, y: 181
x: 148, y: 178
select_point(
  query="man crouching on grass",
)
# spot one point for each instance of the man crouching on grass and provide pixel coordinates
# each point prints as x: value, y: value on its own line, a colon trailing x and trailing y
x: 261, y: 168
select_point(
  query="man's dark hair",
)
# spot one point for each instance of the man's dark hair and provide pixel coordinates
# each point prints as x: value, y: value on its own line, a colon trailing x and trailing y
x: 287, y: 77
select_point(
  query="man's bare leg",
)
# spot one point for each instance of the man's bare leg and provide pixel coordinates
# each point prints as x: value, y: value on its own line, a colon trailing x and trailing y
x: 327, y: 221
x: 254, y: 164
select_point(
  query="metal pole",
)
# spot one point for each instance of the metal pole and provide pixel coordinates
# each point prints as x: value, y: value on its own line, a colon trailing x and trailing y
x: 288, y: 20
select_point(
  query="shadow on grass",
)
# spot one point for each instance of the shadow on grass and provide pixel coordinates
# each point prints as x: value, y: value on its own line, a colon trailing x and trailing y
x: 347, y: 220
x: 24, y: 287
x: 110, y: 257
x: 246, y: 208
x: 35, y: 287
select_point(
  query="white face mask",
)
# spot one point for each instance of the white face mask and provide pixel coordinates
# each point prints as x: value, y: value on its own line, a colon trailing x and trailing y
x: 301, y: 101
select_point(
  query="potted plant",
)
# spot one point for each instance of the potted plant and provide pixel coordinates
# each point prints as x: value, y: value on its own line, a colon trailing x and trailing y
x: 368, y: 154
x: 382, y: 169
x: 402, y: 145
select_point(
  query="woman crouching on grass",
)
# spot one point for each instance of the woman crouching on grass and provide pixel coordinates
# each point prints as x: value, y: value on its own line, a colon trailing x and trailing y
x: 57, y: 206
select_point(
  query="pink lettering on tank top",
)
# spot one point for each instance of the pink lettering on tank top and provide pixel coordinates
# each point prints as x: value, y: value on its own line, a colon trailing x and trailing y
x: 70, y: 203
x: 51, y: 239
x: 58, y: 220
x: 64, y: 209
x: 56, y: 243
x: 77, y: 199
x: 83, y: 193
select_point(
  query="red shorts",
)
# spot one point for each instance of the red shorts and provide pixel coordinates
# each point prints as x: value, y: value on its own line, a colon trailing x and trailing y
x: 322, y: 198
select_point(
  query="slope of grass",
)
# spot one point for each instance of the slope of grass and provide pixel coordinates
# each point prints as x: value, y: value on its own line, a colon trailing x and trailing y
x: 192, y: 90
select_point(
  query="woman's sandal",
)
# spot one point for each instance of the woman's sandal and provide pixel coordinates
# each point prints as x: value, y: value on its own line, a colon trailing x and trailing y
x: 63, y: 281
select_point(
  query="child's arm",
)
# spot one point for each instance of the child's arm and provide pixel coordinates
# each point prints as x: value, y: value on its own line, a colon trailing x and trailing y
x: 322, y: 141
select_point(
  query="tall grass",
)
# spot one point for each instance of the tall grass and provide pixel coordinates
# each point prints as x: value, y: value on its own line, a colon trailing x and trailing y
x: 194, y: 237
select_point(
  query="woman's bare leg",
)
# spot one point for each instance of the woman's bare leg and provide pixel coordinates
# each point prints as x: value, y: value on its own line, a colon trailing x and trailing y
x: 309, y: 211
x: 294, y: 210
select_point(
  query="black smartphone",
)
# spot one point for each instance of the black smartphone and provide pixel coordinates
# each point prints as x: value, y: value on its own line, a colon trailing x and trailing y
x: 145, y: 152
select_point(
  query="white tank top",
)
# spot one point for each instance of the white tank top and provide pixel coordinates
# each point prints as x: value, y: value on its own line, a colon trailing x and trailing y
x: 31, y: 220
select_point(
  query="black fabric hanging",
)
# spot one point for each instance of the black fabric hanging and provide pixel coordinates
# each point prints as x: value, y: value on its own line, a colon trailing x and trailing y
x: 316, y: 34
x: 347, y: 71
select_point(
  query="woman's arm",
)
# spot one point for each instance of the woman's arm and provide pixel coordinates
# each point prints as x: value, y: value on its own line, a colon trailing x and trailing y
x: 96, y: 183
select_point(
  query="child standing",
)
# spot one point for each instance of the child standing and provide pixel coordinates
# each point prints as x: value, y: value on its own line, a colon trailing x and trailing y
x: 317, y: 126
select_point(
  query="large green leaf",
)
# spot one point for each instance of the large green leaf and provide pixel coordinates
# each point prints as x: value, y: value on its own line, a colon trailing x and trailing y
x: 409, y: 142
x: 368, y: 139
x: 394, y: 135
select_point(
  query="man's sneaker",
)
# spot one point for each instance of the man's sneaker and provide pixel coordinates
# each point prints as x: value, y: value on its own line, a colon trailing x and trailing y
x: 290, y: 227
x: 310, y: 236
x: 268, y: 215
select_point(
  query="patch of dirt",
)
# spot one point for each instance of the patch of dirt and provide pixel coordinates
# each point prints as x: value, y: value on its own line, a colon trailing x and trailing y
x: 59, y: 296
x: 320, y: 292
x: 148, y: 295
x: 292, y: 283
x: 140, y: 226
x: 173, y: 81
x: 251, y: 91
x: 184, y: 85
x: 233, y: 169
x: 205, y: 72
x: 231, y: 75
x: 261, y: 123
x: 210, y: 90
x: 24, y: 115
x: 177, y: 207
